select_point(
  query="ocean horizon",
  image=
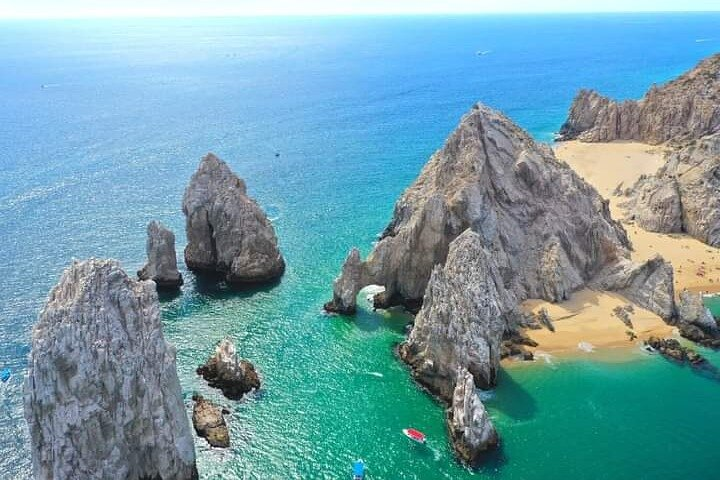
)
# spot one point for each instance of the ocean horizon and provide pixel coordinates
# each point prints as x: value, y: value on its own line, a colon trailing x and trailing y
x: 328, y: 120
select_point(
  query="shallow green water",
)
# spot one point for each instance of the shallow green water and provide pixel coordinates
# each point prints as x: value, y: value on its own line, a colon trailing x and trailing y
x: 615, y: 415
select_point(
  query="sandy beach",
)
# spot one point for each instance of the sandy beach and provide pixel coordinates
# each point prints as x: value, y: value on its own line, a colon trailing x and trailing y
x: 587, y: 317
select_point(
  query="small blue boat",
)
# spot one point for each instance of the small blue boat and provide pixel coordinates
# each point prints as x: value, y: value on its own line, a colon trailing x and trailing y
x: 358, y: 468
x: 5, y: 374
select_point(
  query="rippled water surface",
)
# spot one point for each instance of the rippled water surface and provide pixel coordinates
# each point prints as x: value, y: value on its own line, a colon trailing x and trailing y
x: 103, y: 122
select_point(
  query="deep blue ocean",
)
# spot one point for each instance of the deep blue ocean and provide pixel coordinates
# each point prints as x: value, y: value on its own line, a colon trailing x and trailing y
x: 103, y: 122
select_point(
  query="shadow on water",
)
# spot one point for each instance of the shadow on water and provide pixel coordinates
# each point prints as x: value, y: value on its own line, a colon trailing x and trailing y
x: 214, y: 285
x: 513, y: 400
x: 167, y: 295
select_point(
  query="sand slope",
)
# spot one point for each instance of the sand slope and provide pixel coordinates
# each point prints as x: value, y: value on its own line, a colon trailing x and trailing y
x: 588, y: 315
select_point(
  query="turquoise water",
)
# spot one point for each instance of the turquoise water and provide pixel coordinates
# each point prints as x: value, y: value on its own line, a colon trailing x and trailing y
x: 102, y: 124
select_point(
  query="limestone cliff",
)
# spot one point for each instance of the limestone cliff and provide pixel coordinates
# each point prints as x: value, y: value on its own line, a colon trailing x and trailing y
x: 684, y: 195
x: 683, y: 109
x: 102, y: 396
x: 227, y: 232
x: 161, y: 266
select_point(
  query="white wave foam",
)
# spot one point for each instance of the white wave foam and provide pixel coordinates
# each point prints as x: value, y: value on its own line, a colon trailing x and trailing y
x: 586, y: 347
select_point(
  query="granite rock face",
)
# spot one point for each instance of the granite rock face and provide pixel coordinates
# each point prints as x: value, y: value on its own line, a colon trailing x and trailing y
x: 102, y: 396
x: 224, y: 370
x: 461, y: 324
x: 472, y: 432
x: 209, y: 422
x: 649, y: 285
x: 161, y: 266
x: 684, y: 195
x: 227, y: 231
x: 548, y: 231
x: 684, y: 109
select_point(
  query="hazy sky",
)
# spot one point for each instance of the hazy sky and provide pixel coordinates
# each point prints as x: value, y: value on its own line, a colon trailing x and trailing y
x: 102, y: 8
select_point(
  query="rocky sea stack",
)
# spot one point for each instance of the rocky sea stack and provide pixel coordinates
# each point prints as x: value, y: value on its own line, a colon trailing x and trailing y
x: 471, y: 430
x: 684, y: 109
x: 224, y: 370
x: 102, y: 396
x: 227, y: 232
x: 493, y: 219
x: 161, y: 266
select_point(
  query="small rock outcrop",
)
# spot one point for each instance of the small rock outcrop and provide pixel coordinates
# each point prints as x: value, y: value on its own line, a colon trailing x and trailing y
x: 684, y: 195
x: 227, y: 232
x: 671, y: 348
x: 161, y: 266
x: 649, y: 285
x: 224, y: 370
x: 472, y: 433
x: 695, y: 322
x: 684, y: 109
x: 102, y: 396
x: 209, y: 422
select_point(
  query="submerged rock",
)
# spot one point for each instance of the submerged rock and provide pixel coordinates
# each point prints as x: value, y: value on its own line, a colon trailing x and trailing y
x: 227, y: 231
x: 684, y: 195
x: 209, y: 422
x: 472, y: 433
x: 161, y: 266
x: 683, y: 109
x: 102, y: 396
x: 224, y: 370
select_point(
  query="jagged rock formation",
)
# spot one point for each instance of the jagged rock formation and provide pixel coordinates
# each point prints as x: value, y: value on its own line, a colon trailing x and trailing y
x: 461, y: 324
x: 548, y: 231
x: 102, y: 396
x: 227, y: 232
x: 471, y: 431
x: 492, y: 220
x: 161, y: 266
x: 209, y: 422
x: 695, y: 322
x: 683, y: 109
x: 224, y: 370
x: 684, y: 195
x: 649, y: 285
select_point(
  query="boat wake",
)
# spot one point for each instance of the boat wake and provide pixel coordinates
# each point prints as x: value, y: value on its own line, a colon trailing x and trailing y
x: 375, y: 374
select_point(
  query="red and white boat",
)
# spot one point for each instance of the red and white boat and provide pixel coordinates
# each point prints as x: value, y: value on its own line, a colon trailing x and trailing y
x: 415, y: 435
